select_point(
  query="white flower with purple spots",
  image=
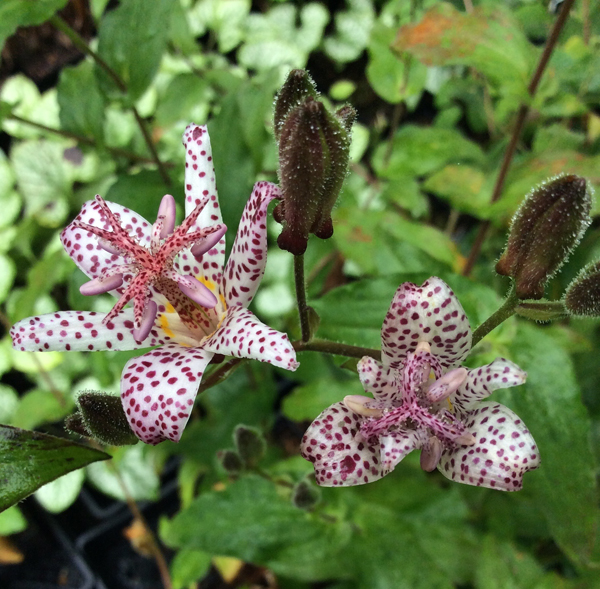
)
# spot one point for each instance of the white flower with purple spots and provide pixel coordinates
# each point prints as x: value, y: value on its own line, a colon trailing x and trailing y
x: 185, y: 299
x: 421, y: 400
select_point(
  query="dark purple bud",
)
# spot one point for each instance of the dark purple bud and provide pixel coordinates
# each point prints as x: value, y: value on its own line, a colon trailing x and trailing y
x: 305, y: 495
x: 583, y: 294
x: 103, y: 418
x: 297, y: 88
x: 544, y: 231
x: 230, y: 461
x: 314, y: 147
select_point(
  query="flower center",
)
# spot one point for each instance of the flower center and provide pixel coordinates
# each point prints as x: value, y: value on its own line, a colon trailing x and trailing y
x: 149, y: 269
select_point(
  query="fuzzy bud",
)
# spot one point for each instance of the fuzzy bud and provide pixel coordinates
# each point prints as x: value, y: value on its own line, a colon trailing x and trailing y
x: 250, y: 444
x: 103, y: 418
x: 305, y: 495
x: 583, y: 294
x: 314, y: 149
x: 544, y: 231
x: 230, y: 461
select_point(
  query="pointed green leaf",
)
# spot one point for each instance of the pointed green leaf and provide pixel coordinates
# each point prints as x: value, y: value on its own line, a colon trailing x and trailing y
x: 29, y: 460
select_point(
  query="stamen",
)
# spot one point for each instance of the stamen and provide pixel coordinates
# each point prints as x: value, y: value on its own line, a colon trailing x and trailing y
x: 431, y: 454
x: 465, y: 439
x: 358, y: 404
x: 423, y: 347
x: 167, y: 211
x: 148, y: 317
x: 196, y: 291
x: 200, y: 248
x: 445, y: 386
x: 101, y: 285
x: 111, y: 249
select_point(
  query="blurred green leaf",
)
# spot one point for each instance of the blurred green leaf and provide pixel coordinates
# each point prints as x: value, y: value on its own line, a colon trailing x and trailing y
x: 132, y: 40
x: 16, y: 13
x: 8, y: 271
x: 81, y: 103
x: 565, y: 484
x: 185, y: 99
x: 225, y: 18
x: 12, y: 521
x: 57, y: 495
x: 352, y: 31
x: 37, y: 407
x: 305, y: 402
x: 189, y: 566
x: 487, y: 39
x: 422, y: 150
x: 29, y: 460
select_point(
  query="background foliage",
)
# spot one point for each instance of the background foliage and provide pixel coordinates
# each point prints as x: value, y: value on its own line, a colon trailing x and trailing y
x: 437, y: 86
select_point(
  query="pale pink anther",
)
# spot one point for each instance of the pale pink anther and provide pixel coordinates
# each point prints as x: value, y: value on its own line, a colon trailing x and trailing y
x: 200, y: 248
x: 196, y: 291
x: 447, y: 385
x: 431, y: 454
x: 167, y: 211
x: 148, y: 317
x: 360, y: 405
x: 107, y: 246
x: 101, y: 285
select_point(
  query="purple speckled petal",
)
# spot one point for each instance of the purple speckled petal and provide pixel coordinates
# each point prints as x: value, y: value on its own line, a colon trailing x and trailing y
x: 81, y: 331
x: 246, y: 264
x: 158, y: 391
x: 504, y: 451
x: 242, y: 335
x: 200, y: 183
x: 428, y: 313
x: 340, y: 455
x: 482, y: 382
x: 382, y: 383
x: 396, y: 445
x: 85, y: 248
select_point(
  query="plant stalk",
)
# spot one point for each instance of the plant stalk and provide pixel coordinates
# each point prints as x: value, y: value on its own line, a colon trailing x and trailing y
x: 301, y: 297
x: 506, y: 311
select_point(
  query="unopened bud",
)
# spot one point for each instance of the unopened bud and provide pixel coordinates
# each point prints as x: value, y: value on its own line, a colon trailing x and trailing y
x: 544, y: 231
x: 230, y: 461
x: 583, y: 294
x: 74, y: 424
x: 314, y: 148
x: 305, y: 495
x: 250, y: 444
x: 103, y: 417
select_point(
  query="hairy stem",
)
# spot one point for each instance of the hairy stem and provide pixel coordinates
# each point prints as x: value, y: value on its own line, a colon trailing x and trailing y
x: 301, y: 297
x: 506, y: 311
x: 516, y: 134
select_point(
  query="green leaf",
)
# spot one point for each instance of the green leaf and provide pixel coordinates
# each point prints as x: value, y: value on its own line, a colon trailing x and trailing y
x: 417, y: 151
x: 42, y: 178
x: 307, y: 401
x: 132, y: 40
x: 226, y: 19
x: 61, y: 493
x: 12, y: 521
x: 81, y: 103
x: 487, y: 39
x: 189, y: 566
x: 141, y: 192
x: 565, y: 484
x: 185, y: 99
x: 8, y: 272
x: 352, y: 30
x: 38, y: 407
x: 16, y: 13
x: 29, y: 460
x: 252, y: 521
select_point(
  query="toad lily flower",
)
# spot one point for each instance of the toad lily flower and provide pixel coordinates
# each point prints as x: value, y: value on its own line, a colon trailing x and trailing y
x: 420, y: 400
x: 185, y: 300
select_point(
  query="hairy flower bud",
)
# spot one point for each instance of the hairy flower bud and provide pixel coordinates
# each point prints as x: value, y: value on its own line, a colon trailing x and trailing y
x: 305, y: 495
x: 314, y: 147
x: 583, y: 294
x: 230, y: 461
x: 544, y: 231
x: 103, y: 418
x: 250, y: 444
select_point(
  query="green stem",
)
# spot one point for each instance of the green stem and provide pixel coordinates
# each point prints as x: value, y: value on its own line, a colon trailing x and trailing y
x: 82, y: 45
x: 134, y: 157
x: 301, y: 297
x: 502, y: 314
x: 335, y: 348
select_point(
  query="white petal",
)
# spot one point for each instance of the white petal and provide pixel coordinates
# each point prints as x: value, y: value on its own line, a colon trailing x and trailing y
x: 382, y: 383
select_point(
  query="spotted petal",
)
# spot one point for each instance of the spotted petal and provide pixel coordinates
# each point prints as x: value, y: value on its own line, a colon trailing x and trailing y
x: 397, y: 444
x: 482, y: 382
x: 428, y: 313
x: 158, y: 390
x: 242, y: 335
x: 381, y: 382
x: 503, y: 453
x: 84, y: 247
x: 200, y: 183
x: 340, y: 454
x: 81, y: 331
x: 246, y: 264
